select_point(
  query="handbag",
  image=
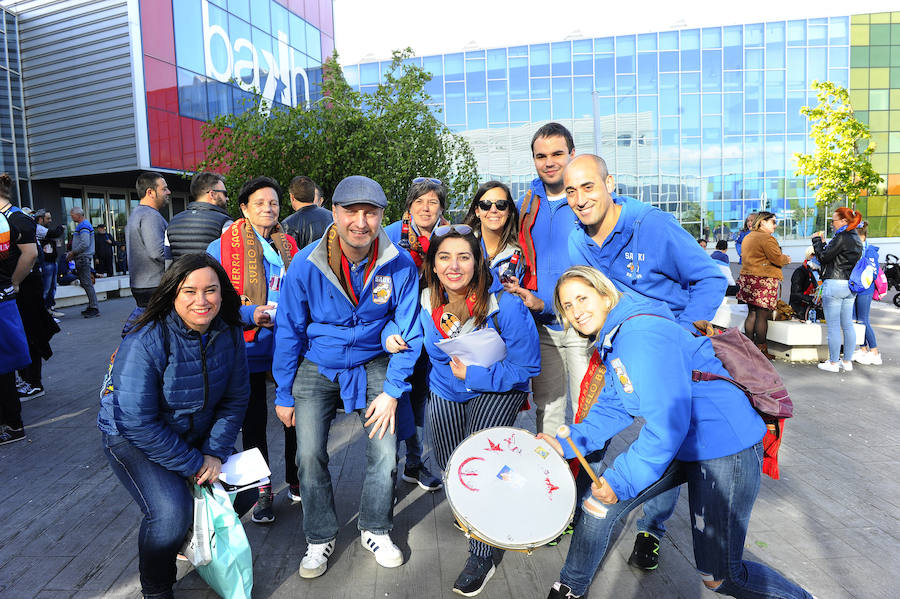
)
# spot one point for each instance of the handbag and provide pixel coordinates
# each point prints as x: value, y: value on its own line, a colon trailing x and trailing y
x: 230, y: 570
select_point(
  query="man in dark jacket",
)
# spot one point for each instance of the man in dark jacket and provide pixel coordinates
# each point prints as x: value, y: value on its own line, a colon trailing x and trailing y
x: 204, y: 219
x: 309, y: 220
x: 104, y: 246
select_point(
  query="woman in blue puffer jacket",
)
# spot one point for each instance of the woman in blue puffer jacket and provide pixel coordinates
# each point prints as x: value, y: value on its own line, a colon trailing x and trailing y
x: 172, y: 404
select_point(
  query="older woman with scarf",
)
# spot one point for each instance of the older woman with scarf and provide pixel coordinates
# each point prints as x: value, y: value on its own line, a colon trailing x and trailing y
x: 256, y: 253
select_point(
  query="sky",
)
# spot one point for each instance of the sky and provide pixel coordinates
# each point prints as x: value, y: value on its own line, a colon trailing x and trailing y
x: 367, y: 30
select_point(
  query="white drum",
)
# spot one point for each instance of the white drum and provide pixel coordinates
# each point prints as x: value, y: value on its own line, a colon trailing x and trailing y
x: 510, y: 489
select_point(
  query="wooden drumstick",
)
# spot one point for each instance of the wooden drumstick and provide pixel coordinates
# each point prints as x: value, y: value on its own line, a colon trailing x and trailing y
x: 564, y: 432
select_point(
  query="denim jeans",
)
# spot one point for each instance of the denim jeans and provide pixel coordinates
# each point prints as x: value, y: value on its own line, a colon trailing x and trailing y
x: 863, y: 309
x: 48, y: 272
x: 315, y: 401
x: 656, y: 512
x: 165, y: 500
x: 721, y: 495
x: 837, y: 301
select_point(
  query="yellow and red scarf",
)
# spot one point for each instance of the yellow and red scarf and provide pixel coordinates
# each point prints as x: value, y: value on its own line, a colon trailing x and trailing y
x: 340, y: 266
x: 418, y: 244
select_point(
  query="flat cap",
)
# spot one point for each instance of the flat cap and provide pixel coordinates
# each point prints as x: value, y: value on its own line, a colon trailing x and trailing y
x: 357, y: 189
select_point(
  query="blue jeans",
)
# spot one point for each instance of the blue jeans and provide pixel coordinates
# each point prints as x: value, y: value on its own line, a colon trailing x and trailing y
x: 721, y: 494
x: 863, y: 309
x: 315, y: 402
x: 48, y: 272
x: 656, y: 512
x: 837, y: 301
x: 165, y: 500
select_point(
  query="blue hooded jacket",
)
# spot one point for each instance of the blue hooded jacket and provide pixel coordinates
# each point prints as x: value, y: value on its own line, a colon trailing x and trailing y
x: 316, y: 320
x: 523, y: 354
x: 175, y: 398
x: 648, y: 363
x: 550, y: 234
x: 649, y: 253
x: 870, y: 251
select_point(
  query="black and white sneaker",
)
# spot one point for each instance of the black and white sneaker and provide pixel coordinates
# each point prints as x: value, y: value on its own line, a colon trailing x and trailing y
x: 315, y: 562
x: 11, y: 435
x: 645, y: 554
x: 28, y: 392
x: 419, y: 474
x: 262, y: 511
x: 561, y: 591
x: 476, y: 573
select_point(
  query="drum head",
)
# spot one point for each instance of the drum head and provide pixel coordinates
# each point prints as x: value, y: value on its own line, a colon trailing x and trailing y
x: 510, y: 489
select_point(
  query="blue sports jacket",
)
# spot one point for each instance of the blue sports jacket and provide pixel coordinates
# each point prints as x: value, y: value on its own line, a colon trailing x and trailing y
x: 870, y: 251
x: 649, y: 253
x: 316, y: 320
x: 550, y: 234
x: 175, y: 398
x: 523, y: 354
x: 648, y: 363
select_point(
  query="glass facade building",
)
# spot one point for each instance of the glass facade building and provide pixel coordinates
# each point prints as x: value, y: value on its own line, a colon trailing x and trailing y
x: 13, y: 152
x: 701, y: 122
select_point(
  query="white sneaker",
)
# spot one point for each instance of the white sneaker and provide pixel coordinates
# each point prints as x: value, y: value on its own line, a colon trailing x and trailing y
x: 860, y: 357
x: 315, y: 562
x: 386, y: 553
x: 829, y: 366
x: 874, y: 359
x: 847, y: 366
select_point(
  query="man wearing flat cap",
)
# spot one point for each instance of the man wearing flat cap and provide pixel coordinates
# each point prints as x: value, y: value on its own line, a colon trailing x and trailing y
x: 341, y: 299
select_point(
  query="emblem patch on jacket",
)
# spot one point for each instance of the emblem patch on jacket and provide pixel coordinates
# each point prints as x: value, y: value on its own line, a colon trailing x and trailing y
x: 623, y: 376
x: 381, y: 291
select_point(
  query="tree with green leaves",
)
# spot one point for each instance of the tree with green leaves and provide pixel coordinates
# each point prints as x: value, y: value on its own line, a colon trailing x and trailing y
x: 390, y: 135
x: 840, y: 171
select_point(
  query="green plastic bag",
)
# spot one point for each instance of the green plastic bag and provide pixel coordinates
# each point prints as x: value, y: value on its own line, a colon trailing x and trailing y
x: 230, y: 573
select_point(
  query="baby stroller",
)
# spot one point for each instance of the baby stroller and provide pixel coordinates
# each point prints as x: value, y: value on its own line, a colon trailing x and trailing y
x: 892, y: 274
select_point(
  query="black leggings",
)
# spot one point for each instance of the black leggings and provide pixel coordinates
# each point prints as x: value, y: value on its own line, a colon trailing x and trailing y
x: 254, y: 428
x: 756, y: 326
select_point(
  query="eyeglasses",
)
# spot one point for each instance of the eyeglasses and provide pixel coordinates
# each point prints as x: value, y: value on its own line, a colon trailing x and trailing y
x: 427, y: 179
x: 502, y: 205
x: 460, y: 229
x: 222, y: 191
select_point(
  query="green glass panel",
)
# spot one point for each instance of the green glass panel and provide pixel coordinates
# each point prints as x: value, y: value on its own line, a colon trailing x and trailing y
x: 859, y: 78
x: 862, y: 116
x: 859, y: 56
x: 895, y: 77
x: 878, y: 120
x: 877, y: 226
x: 879, y: 99
x: 879, y: 78
x: 880, y: 35
x: 879, y: 56
x: 895, y: 54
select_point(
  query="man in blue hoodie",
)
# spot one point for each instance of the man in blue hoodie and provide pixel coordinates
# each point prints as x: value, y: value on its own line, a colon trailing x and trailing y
x: 341, y: 300
x: 545, y: 222
x: 643, y: 250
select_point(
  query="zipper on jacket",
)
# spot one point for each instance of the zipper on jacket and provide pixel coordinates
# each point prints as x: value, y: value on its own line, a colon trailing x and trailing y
x: 205, y: 374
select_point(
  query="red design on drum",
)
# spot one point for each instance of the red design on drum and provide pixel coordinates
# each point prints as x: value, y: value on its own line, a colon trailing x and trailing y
x: 511, y: 444
x: 492, y: 446
x: 462, y: 474
x: 550, y: 487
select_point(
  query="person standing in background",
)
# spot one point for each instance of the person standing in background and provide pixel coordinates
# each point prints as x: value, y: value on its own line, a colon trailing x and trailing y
x: 145, y: 238
x: 83, y: 254
x: 104, y: 246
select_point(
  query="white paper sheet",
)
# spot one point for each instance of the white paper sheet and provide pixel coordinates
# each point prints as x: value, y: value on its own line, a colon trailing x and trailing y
x: 244, y: 470
x: 478, y: 348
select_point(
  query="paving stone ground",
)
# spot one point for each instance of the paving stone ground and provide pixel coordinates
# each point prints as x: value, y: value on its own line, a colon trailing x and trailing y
x: 69, y: 529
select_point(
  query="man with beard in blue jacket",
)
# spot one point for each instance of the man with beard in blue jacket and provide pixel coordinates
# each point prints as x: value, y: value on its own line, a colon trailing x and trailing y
x: 643, y: 250
x: 341, y: 301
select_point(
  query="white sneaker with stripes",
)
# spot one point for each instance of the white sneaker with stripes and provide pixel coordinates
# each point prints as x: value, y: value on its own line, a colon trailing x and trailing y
x: 315, y: 562
x: 386, y: 553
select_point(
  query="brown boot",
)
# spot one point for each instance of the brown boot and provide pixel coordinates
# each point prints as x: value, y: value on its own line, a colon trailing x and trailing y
x: 765, y: 350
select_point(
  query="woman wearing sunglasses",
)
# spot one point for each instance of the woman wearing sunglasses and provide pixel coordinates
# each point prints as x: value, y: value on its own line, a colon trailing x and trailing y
x: 495, y: 219
x: 456, y: 299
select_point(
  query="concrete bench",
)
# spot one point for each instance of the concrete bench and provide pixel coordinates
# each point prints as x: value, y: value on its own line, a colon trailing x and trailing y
x: 791, y: 340
x: 105, y: 287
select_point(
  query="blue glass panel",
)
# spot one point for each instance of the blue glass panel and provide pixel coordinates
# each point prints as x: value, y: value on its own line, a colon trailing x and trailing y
x: 540, y: 110
x: 583, y: 64
x: 712, y: 130
x: 690, y: 114
x: 668, y: 40
x: 753, y: 34
x: 774, y: 91
x: 690, y: 82
x: 774, y: 161
x: 351, y: 75
x: 241, y: 101
x: 562, y: 97
x: 796, y: 68
x: 733, y: 36
x: 604, y: 44
x: 838, y: 31
x: 259, y: 14
x: 775, y: 123
x: 280, y: 20
x: 454, y: 67
x: 583, y: 46
x: 605, y: 106
x: 668, y: 62
x: 838, y: 57
x: 690, y: 155
x: 476, y: 86
x: 313, y: 43
x: 472, y: 54
x: 754, y: 59
x: 690, y: 39
x: 753, y: 124
x: 517, y: 51
x: 496, y: 64
x: 604, y: 74
x: 712, y: 103
x: 646, y: 42
x: 218, y: 98
x: 626, y: 104
x: 733, y: 113
x: 796, y: 122
x: 298, y: 32
x: 690, y: 60
x: 369, y: 74
x: 540, y: 87
x: 188, y: 44
x: 625, y: 85
x: 239, y: 29
x: 817, y: 35
x: 753, y: 188
x: 712, y: 37
x: 561, y: 54
x: 647, y: 72
x: 796, y: 33
x: 540, y: 60
x: 192, y: 95
x: 668, y: 94
x: 263, y: 43
x: 668, y: 131
x: 775, y: 56
x: 733, y: 81
x: 625, y: 54
x: 518, y: 78
x: 240, y: 8
x: 435, y: 87
x: 497, y: 102
x: 794, y: 143
x: 817, y: 64
x: 753, y: 91
x: 518, y: 112
x: 712, y: 70
x: 477, y: 115
x: 839, y: 76
x: 648, y: 105
x: 733, y: 58
x: 455, y: 107
x: 583, y: 88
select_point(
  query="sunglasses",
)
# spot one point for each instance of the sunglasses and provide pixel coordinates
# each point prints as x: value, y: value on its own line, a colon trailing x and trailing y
x: 428, y: 179
x: 460, y: 229
x: 502, y: 205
